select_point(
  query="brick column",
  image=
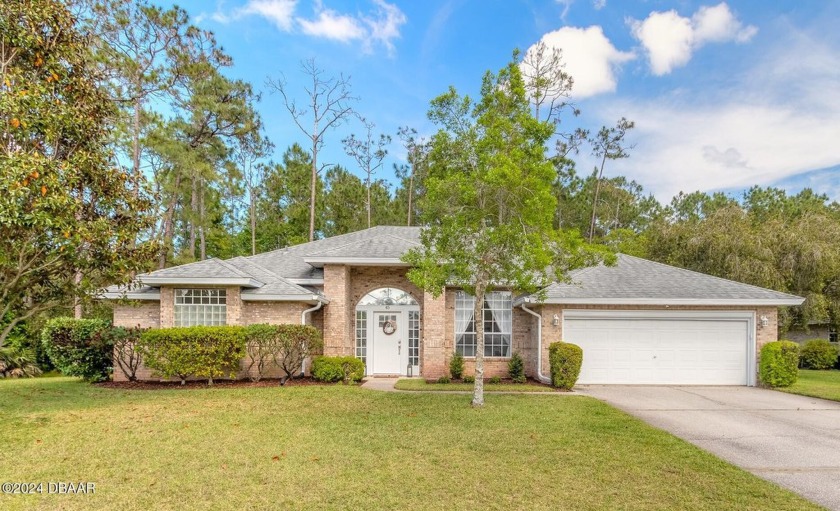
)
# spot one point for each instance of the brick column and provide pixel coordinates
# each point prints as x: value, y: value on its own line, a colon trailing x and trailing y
x: 338, y: 314
x: 434, y: 336
x: 167, y: 307
x: 550, y: 332
x: 233, y: 299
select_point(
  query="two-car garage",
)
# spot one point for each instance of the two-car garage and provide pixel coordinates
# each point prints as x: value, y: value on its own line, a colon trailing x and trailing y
x: 661, y: 347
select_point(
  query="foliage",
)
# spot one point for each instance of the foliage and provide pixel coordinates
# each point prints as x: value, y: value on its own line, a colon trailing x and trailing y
x: 286, y: 346
x: 334, y: 369
x: 818, y: 354
x: 79, y: 347
x: 456, y: 366
x: 495, y: 380
x: 565, y: 360
x: 69, y: 215
x: 202, y: 351
x: 779, y: 363
x: 469, y: 379
x: 444, y: 380
x: 489, y: 204
x: 17, y: 364
x: 516, y: 368
x: 126, y: 343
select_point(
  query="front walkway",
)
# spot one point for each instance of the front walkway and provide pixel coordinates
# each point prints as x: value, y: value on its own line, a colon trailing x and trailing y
x: 383, y: 384
x: 791, y: 440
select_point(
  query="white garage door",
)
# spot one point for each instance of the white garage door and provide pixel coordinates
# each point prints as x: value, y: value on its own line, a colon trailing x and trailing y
x: 661, y: 348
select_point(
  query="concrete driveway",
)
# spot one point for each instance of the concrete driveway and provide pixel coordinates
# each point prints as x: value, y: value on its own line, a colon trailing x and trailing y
x: 791, y: 440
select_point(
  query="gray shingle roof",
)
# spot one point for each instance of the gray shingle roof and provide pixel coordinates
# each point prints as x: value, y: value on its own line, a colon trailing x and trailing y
x: 208, y: 268
x: 636, y: 280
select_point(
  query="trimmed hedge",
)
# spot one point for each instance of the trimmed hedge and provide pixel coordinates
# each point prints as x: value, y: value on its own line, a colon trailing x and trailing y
x: 286, y: 346
x: 565, y: 360
x: 202, y: 351
x: 818, y: 354
x: 779, y: 364
x: 334, y: 369
x: 79, y: 347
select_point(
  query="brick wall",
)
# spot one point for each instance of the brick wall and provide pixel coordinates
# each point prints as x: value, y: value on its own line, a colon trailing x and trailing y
x: 145, y: 314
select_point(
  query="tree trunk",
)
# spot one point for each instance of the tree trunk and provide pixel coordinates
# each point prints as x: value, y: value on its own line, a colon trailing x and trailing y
x: 193, y: 214
x: 368, y: 198
x: 478, y: 321
x: 252, y: 207
x: 595, y: 200
x: 77, y: 300
x: 312, y: 183
x: 168, y: 225
x: 201, y: 222
x: 410, y: 194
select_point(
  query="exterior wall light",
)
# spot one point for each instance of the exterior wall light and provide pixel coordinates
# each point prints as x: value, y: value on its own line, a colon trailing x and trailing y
x: 764, y: 321
x: 555, y: 320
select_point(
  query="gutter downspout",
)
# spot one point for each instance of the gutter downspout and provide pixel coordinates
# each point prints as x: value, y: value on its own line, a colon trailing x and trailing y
x: 540, y: 375
x: 303, y: 322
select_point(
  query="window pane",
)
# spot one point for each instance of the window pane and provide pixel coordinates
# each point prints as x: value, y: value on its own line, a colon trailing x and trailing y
x: 200, y: 307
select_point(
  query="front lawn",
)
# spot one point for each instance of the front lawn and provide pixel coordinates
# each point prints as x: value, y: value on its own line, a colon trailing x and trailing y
x: 421, y: 384
x: 823, y: 384
x: 345, y: 447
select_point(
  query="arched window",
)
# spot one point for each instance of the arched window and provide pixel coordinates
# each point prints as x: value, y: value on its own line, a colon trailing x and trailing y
x: 387, y: 296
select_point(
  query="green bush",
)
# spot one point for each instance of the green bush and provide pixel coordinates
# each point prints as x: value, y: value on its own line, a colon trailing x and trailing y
x: 286, y: 346
x: 469, y: 379
x: 444, y: 380
x: 126, y: 342
x: 818, y: 354
x: 495, y: 380
x: 334, y: 369
x: 516, y: 368
x: 779, y: 363
x: 203, y: 351
x: 565, y: 360
x: 15, y: 363
x: 77, y: 347
x: 456, y: 366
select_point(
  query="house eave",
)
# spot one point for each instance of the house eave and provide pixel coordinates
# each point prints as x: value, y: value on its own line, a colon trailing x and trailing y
x: 312, y: 299
x: 319, y: 262
x: 199, y: 281
x: 131, y: 296
x: 771, y: 302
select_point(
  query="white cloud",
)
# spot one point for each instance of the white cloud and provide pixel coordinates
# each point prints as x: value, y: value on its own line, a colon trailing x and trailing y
x: 331, y: 25
x: 670, y: 40
x: 379, y: 27
x: 599, y: 4
x: 567, y: 4
x: 590, y: 58
x: 775, y: 123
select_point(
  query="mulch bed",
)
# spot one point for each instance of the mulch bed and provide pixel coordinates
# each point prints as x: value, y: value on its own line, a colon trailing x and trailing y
x: 503, y: 381
x: 202, y: 384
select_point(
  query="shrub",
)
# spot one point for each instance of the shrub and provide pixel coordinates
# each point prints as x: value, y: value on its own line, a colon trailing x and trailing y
x: 287, y: 346
x: 444, y: 380
x: 565, y: 360
x: 818, y: 354
x: 516, y: 368
x: 779, y: 363
x: 204, y: 351
x: 333, y: 369
x: 15, y: 363
x: 495, y: 380
x: 456, y: 366
x: 77, y: 347
x: 126, y: 342
x: 469, y: 379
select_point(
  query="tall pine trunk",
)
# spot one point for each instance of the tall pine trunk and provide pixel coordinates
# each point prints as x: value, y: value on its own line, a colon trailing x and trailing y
x: 595, y: 199
x: 168, y: 228
x: 312, y: 184
x: 193, y: 215
x: 410, y: 194
x: 252, y: 210
x: 201, y: 222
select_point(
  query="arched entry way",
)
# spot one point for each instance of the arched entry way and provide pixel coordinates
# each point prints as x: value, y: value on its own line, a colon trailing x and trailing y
x: 388, y: 332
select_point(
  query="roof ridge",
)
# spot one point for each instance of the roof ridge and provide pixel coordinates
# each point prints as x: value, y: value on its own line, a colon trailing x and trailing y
x: 231, y: 267
x: 274, y: 274
x: 404, y: 239
x: 706, y: 275
x: 330, y: 238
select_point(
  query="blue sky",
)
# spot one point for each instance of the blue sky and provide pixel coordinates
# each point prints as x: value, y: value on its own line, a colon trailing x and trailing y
x: 724, y: 95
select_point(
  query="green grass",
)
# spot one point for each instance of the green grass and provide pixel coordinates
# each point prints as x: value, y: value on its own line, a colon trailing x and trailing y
x: 421, y: 384
x: 345, y: 447
x: 823, y: 384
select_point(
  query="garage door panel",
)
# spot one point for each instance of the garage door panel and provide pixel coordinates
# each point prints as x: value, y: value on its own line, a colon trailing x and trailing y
x: 661, y: 351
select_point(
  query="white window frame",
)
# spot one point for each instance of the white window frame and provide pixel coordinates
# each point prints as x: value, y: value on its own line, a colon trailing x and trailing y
x: 464, y: 303
x: 211, y: 309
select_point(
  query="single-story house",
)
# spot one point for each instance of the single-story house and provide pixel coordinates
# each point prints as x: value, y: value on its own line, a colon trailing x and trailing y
x: 638, y: 322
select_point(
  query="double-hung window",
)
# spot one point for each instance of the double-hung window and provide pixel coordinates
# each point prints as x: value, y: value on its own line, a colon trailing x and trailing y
x: 497, y: 316
x: 200, y: 307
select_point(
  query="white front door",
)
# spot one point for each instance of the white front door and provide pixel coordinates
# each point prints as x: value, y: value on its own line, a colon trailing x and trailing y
x: 389, y: 343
